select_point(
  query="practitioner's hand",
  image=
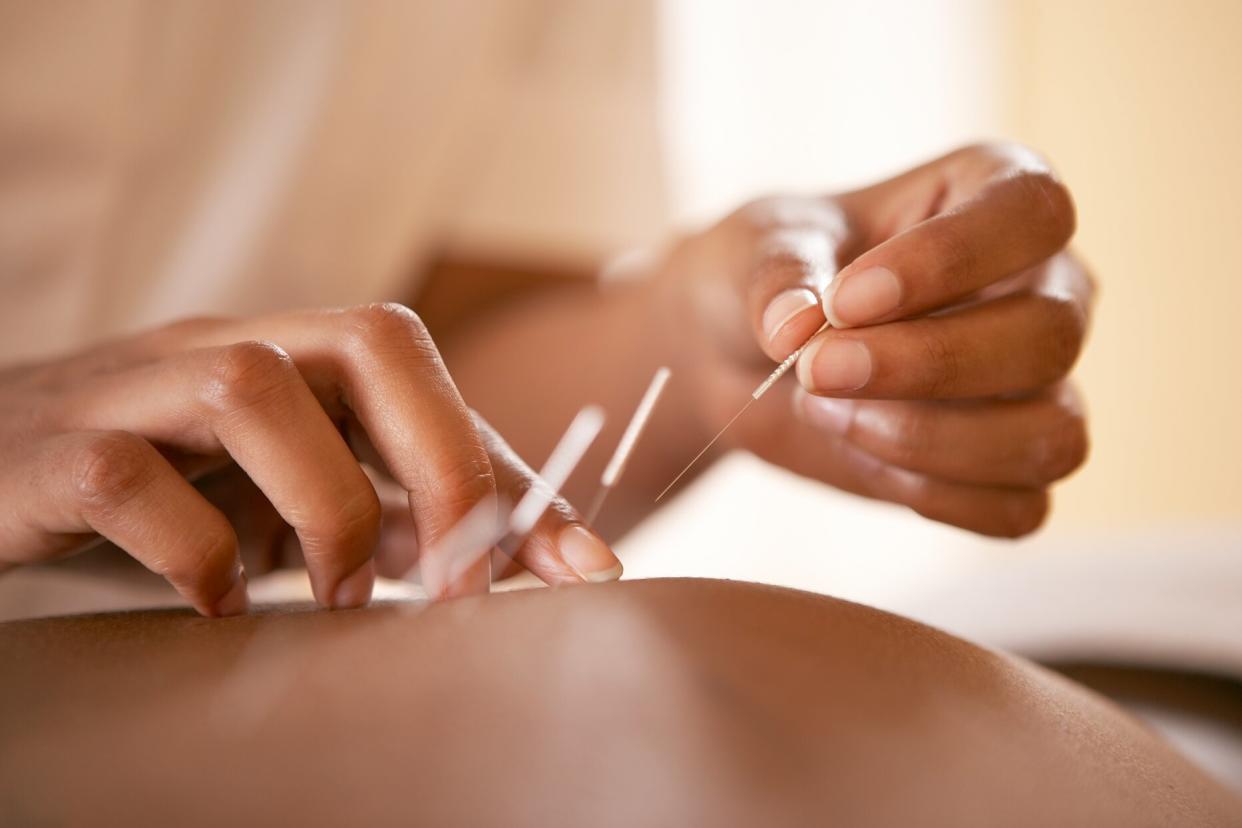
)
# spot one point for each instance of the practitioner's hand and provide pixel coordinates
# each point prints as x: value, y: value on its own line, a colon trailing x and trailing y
x: 105, y: 443
x: 957, y: 313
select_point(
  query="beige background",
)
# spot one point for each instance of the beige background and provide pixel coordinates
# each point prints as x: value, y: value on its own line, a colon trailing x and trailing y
x: 1140, y: 105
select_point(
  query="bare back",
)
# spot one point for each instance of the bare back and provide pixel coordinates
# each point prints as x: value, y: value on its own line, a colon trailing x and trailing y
x: 648, y: 702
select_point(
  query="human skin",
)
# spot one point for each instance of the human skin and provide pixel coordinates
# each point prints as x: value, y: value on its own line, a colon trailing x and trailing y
x: 106, y: 442
x: 957, y: 404
x: 672, y: 702
x: 956, y: 312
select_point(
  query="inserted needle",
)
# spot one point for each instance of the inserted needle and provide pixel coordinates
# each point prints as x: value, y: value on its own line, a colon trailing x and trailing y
x: 629, y: 439
x: 779, y: 372
x: 482, y: 527
x: 560, y: 465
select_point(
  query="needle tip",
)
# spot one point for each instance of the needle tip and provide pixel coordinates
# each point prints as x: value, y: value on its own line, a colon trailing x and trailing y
x: 669, y: 486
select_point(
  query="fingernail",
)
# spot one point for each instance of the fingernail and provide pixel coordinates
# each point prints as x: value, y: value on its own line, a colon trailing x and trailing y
x: 828, y: 413
x: 355, y: 590
x: 863, y: 297
x: 235, y: 601
x: 589, y: 556
x: 835, y: 365
x: 785, y: 307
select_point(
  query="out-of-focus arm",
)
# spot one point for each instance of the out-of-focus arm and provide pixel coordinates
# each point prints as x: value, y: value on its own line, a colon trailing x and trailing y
x: 528, y: 347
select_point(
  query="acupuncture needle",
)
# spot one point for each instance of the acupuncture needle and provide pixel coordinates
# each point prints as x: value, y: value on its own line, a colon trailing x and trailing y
x: 482, y: 528
x: 556, y: 470
x: 633, y: 431
x: 779, y: 372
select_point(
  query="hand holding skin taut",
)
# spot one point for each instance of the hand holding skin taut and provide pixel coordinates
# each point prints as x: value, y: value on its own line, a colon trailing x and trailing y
x: 109, y: 440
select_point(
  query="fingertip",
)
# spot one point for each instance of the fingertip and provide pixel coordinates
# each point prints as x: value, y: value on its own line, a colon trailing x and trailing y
x: 235, y: 601
x: 788, y: 320
x: 1025, y: 513
x: 862, y: 297
x: 828, y: 302
x: 835, y: 366
x: 588, y: 555
x: 355, y: 590
x: 803, y: 369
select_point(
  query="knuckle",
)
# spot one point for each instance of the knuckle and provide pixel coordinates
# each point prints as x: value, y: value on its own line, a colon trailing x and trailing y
x: 465, y: 483
x: 246, y: 372
x: 111, y: 468
x: 384, y: 325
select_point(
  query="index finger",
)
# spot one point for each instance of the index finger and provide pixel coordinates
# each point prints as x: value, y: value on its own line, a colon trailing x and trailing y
x: 380, y: 363
x: 991, y: 212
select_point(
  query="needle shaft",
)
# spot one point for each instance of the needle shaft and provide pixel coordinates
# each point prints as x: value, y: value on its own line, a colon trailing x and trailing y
x: 719, y: 434
x: 762, y: 389
x: 620, y: 457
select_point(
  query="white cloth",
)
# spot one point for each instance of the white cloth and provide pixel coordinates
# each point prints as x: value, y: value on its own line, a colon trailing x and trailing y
x: 165, y: 158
